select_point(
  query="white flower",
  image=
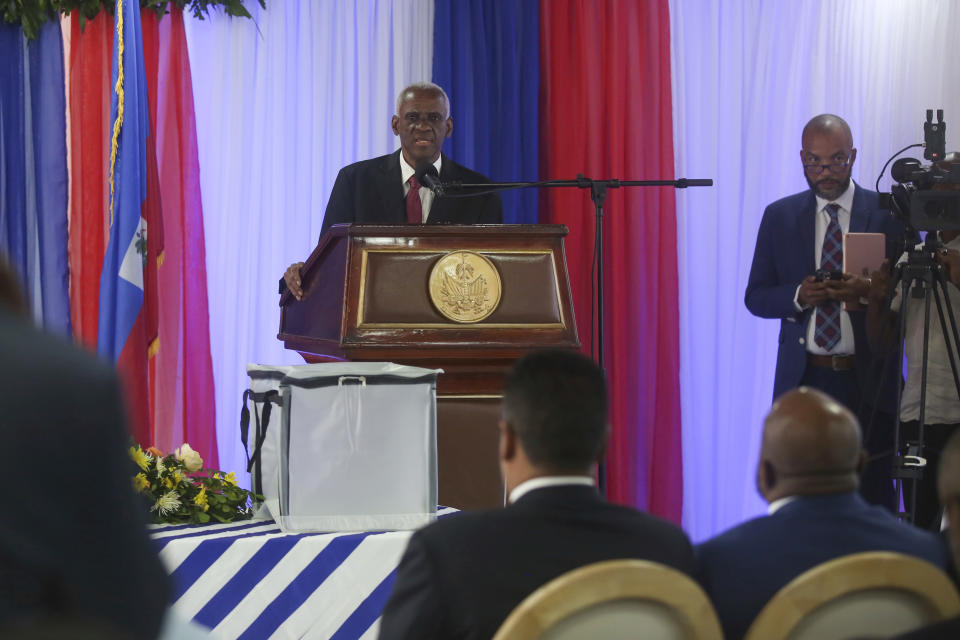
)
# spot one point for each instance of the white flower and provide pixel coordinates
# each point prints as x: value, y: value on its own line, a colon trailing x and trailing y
x: 160, y: 466
x: 190, y: 458
x: 167, y: 503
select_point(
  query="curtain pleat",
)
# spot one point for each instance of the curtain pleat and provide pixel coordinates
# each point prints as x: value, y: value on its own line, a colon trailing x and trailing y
x: 88, y: 81
x: 33, y: 170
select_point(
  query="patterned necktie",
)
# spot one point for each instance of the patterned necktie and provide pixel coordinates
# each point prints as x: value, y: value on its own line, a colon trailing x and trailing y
x: 414, y: 207
x: 827, y: 332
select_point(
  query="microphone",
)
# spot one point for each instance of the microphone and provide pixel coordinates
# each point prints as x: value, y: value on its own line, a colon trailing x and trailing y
x: 427, y: 175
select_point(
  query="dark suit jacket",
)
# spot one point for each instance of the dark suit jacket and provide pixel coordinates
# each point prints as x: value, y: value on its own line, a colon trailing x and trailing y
x: 73, y: 539
x: 370, y: 192
x: 744, y: 567
x: 784, y: 256
x: 461, y: 576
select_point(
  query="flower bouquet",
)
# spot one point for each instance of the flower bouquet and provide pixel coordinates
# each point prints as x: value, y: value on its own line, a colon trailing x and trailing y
x: 182, y: 491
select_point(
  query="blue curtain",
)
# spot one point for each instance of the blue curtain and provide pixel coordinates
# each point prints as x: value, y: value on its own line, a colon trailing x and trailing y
x: 33, y: 169
x: 486, y: 55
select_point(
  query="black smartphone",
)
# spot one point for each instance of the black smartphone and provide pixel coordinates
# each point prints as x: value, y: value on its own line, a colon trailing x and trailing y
x: 823, y: 274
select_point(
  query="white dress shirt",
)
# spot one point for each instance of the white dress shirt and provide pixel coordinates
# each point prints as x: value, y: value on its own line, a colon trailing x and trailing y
x: 426, y: 195
x: 846, y: 344
x: 941, y: 403
x: 778, y: 504
x: 547, y: 481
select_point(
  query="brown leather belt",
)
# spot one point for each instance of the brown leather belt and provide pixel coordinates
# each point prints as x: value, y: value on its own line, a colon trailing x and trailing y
x: 837, y: 363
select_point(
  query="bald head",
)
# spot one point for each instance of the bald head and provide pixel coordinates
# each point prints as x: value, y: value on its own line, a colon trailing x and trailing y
x: 827, y: 124
x: 811, y: 445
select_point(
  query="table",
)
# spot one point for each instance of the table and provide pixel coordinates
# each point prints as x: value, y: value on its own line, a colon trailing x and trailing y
x: 250, y: 580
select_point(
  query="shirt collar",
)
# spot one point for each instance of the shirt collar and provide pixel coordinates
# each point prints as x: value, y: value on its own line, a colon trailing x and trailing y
x: 845, y: 199
x: 406, y: 170
x: 779, y: 503
x: 524, y: 488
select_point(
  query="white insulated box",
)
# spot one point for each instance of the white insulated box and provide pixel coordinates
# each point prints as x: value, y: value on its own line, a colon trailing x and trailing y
x: 347, y: 446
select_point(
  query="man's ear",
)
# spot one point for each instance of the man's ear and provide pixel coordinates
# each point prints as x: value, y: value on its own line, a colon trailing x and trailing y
x: 861, y: 462
x: 449, y: 127
x: 395, y: 124
x: 766, y: 478
x: 508, y: 441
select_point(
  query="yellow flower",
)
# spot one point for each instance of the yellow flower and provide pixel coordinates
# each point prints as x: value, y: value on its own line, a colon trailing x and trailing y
x: 140, y: 482
x: 216, y: 476
x: 177, y: 477
x: 201, y: 499
x: 138, y: 456
x: 168, y: 483
x: 231, y: 478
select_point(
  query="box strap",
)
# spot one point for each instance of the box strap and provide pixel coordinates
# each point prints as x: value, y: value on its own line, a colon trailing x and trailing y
x: 268, y: 398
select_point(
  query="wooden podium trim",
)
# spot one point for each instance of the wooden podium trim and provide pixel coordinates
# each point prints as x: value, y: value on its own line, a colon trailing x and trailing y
x: 361, y: 298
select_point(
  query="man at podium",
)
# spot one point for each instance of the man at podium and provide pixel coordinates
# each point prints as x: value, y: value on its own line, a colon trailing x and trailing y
x: 390, y: 189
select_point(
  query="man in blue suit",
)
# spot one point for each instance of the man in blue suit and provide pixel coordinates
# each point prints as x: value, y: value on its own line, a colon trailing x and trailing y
x: 808, y: 474
x: 797, y: 277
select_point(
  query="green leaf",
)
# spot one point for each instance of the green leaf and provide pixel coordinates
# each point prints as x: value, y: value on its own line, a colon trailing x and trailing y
x: 32, y: 14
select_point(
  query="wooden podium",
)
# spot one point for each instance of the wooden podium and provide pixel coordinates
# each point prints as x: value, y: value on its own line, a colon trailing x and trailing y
x: 410, y: 295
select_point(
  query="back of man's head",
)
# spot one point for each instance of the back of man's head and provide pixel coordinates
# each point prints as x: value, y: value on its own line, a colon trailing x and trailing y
x: 556, y: 403
x: 811, y: 445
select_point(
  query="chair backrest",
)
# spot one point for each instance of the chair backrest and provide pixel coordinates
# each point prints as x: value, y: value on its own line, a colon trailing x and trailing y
x: 877, y: 594
x: 612, y: 600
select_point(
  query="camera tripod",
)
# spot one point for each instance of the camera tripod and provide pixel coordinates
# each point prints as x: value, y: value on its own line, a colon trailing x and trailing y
x: 921, y: 275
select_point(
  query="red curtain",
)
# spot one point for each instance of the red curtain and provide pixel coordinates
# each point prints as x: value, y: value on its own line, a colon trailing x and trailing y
x: 185, y: 411
x: 606, y: 112
x: 88, y: 75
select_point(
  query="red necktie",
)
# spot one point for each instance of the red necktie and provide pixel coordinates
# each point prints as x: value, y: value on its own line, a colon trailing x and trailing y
x: 414, y: 207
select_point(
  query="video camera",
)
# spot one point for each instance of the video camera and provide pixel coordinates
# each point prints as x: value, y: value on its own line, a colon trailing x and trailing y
x: 927, y: 197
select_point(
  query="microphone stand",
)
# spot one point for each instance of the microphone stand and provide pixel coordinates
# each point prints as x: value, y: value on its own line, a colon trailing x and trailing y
x: 598, y: 193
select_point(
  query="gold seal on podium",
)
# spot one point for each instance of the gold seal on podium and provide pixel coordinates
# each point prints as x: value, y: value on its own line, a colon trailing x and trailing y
x: 465, y: 286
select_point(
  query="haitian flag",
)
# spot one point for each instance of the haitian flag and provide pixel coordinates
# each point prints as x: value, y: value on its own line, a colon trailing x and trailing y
x: 129, y: 267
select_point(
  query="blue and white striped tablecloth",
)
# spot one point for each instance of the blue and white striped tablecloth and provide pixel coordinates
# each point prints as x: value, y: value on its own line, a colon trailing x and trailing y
x: 250, y: 580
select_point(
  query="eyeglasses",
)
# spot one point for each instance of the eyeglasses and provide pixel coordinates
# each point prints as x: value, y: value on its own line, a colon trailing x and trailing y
x: 833, y: 167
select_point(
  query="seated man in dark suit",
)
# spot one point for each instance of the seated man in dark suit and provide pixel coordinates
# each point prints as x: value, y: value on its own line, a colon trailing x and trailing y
x: 73, y: 540
x: 461, y: 576
x: 385, y: 190
x: 948, y: 486
x: 810, y: 460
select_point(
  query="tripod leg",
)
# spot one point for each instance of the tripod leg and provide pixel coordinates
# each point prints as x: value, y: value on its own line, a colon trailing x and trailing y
x: 953, y: 346
x: 899, y: 467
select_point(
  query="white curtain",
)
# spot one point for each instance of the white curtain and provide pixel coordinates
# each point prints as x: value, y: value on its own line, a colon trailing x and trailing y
x: 283, y: 101
x: 746, y: 77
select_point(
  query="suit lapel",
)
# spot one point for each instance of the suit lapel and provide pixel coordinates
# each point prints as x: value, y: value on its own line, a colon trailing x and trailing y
x: 859, y: 216
x: 440, y: 209
x: 806, y: 229
x: 390, y: 189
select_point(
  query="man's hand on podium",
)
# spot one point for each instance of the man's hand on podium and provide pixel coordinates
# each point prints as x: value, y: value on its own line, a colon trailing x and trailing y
x: 292, y: 278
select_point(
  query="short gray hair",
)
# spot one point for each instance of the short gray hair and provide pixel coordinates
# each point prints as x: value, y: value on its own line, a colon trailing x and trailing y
x: 425, y: 87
